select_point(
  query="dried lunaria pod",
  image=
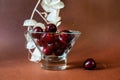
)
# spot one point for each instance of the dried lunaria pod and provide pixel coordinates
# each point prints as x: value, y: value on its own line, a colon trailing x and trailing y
x: 29, y: 22
x: 51, y: 5
x: 53, y: 17
x: 36, y: 56
x: 40, y: 25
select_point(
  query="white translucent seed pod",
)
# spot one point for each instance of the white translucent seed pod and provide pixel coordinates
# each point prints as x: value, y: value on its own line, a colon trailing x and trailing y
x: 40, y: 25
x: 29, y: 22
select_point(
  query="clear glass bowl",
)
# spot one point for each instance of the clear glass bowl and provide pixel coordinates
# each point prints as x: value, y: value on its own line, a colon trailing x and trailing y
x: 54, y: 47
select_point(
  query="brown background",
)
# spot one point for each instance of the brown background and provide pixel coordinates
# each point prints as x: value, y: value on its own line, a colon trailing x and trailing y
x: 99, y: 22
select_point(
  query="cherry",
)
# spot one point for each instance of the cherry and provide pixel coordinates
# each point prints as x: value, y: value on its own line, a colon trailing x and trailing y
x: 57, y: 37
x: 60, y: 48
x: 66, y: 36
x: 59, y: 52
x: 48, y: 50
x: 48, y: 37
x: 41, y: 42
x: 89, y: 64
x: 51, y: 28
x: 37, y: 29
x: 36, y: 33
x: 56, y: 45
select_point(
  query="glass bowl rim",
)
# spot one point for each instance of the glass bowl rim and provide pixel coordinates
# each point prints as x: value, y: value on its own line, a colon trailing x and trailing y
x: 58, y: 32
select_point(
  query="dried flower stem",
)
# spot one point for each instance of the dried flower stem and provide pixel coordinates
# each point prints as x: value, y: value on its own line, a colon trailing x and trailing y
x: 42, y: 16
x: 35, y: 10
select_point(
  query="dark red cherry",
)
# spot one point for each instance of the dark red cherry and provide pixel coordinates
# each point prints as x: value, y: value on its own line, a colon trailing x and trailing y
x: 48, y: 50
x: 60, y: 48
x: 37, y: 29
x: 51, y: 28
x: 59, y: 52
x: 48, y: 37
x: 56, y: 45
x: 89, y: 64
x: 36, y: 33
x: 41, y: 42
x: 65, y: 36
x: 56, y: 37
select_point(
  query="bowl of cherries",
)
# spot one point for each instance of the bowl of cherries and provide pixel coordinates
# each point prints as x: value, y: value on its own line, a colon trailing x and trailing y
x: 54, y: 45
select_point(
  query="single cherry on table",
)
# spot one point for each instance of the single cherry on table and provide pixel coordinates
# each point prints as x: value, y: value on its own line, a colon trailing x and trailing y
x: 89, y: 64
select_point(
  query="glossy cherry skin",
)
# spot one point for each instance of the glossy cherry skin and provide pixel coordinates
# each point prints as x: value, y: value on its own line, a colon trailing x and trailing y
x: 89, y: 64
x: 41, y: 42
x: 48, y: 37
x: 59, y: 48
x: 65, y: 36
x: 51, y: 28
x: 56, y: 45
x: 36, y: 31
x: 59, y: 52
x: 48, y: 50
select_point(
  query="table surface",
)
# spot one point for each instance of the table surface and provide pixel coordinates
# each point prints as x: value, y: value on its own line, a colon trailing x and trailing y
x: 16, y: 66
x: 99, y: 22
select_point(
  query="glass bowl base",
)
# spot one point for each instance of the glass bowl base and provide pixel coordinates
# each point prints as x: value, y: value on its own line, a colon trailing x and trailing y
x: 54, y: 63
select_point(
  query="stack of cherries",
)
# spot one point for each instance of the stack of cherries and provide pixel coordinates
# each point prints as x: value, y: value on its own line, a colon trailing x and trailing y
x: 52, y: 41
